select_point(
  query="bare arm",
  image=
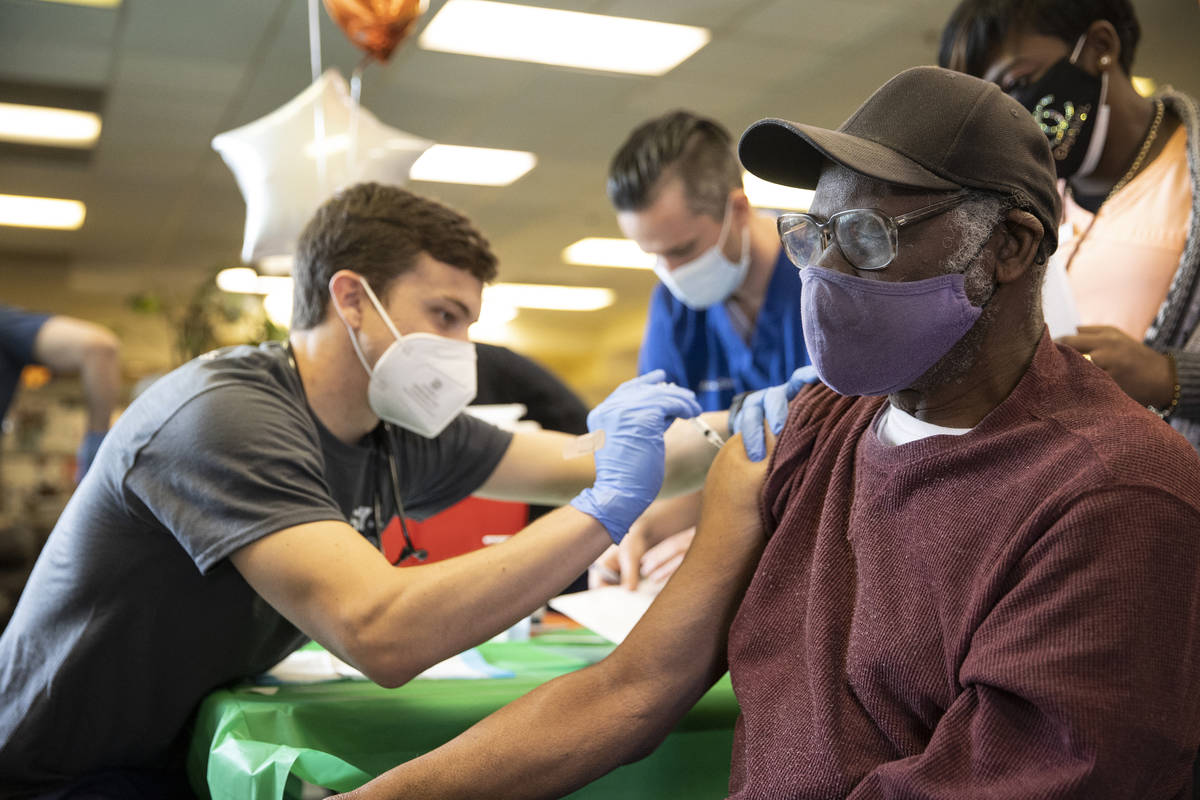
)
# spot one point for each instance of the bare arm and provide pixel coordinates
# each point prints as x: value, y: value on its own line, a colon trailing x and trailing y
x: 533, y: 469
x: 393, y: 623
x: 73, y: 346
x: 582, y: 725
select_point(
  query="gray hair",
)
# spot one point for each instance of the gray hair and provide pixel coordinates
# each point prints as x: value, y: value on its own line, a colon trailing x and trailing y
x: 974, y: 221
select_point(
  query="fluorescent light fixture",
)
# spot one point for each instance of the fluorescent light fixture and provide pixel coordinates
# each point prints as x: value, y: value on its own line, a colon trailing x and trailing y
x: 553, y: 298
x: 41, y: 212
x: 563, y: 38
x: 763, y: 194
x: 492, y: 325
x: 244, y: 280
x: 44, y: 125
x: 1143, y: 85
x: 597, y: 251
x: 494, y: 312
x: 278, y: 307
x: 481, y: 166
x: 238, y: 280
x: 276, y: 265
x: 92, y: 3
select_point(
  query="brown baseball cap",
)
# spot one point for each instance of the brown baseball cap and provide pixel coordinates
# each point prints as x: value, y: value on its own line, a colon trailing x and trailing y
x: 926, y: 128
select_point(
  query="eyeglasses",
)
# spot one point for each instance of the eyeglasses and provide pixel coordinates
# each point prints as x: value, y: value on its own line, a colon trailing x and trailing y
x: 866, y: 237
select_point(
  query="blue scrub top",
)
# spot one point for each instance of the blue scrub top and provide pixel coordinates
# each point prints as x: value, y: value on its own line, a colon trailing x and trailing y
x: 703, y: 351
x: 18, y: 330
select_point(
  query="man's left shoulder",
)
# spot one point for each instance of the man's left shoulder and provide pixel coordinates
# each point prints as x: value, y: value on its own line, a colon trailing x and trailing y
x: 1132, y: 447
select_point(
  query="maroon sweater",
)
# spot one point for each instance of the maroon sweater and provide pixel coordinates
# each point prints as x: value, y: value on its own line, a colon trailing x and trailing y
x: 1011, y: 613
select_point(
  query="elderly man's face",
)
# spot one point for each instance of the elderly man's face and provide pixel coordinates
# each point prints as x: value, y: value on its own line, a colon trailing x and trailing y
x: 924, y: 246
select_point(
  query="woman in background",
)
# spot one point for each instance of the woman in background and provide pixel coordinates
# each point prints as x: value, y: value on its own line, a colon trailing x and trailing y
x: 1130, y: 177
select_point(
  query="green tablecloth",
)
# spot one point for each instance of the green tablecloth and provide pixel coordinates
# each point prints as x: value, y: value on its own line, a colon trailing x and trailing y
x: 251, y: 746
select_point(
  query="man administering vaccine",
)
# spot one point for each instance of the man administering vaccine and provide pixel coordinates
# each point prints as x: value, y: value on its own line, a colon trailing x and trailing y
x: 236, y: 508
x: 725, y: 317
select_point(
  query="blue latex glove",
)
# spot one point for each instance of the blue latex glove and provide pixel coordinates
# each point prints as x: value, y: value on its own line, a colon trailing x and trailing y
x: 631, y: 464
x: 771, y: 404
x: 87, y: 453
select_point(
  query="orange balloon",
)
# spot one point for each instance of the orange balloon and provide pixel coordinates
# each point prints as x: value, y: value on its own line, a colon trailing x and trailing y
x: 376, y: 27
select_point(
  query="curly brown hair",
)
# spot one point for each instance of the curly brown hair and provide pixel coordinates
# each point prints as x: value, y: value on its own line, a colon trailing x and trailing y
x: 378, y: 231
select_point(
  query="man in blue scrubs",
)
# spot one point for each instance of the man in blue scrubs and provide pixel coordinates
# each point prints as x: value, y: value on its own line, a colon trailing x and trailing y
x: 725, y: 317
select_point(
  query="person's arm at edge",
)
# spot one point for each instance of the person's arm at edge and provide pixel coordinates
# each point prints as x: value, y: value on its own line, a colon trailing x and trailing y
x: 69, y: 345
x: 581, y: 725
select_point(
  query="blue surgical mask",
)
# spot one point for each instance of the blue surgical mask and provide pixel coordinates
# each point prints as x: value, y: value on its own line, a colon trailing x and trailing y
x: 709, y: 278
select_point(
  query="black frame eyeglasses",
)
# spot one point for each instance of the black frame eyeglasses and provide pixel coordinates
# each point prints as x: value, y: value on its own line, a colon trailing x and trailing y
x: 866, y: 237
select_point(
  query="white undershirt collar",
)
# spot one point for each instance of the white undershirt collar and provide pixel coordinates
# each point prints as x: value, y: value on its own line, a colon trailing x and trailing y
x: 896, y: 427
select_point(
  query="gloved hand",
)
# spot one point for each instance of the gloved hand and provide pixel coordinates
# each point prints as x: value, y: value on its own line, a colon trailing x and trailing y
x: 771, y: 403
x: 87, y: 452
x: 631, y: 464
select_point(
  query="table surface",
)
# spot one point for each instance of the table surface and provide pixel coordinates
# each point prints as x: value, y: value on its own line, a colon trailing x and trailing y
x: 249, y: 745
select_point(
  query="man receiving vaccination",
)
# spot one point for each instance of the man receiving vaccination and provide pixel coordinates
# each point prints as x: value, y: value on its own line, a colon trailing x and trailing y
x: 971, y: 567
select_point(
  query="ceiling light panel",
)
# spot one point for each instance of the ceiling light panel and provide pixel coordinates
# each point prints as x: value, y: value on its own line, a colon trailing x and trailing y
x: 43, y: 125
x: 89, y: 3
x: 244, y: 280
x: 1143, y: 85
x: 552, y: 298
x: 480, y: 166
x: 562, y: 38
x: 598, y: 251
x: 763, y: 194
x: 41, y: 212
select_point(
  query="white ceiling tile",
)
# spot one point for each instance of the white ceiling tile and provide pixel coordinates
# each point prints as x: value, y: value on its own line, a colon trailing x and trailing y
x: 821, y: 23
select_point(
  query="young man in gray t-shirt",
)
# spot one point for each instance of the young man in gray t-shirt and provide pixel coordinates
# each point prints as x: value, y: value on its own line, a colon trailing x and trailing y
x: 235, y: 508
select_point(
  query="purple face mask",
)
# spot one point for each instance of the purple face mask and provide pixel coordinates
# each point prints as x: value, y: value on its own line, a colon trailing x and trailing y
x: 872, y: 337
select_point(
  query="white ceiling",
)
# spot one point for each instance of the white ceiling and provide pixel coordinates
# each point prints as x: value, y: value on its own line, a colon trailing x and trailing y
x: 163, y: 210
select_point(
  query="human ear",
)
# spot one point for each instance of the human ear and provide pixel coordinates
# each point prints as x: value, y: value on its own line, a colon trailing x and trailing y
x: 346, y: 296
x: 1102, y: 50
x: 1023, y: 234
x: 739, y: 206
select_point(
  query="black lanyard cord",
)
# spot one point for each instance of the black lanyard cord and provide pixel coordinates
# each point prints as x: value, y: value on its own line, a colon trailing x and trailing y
x: 409, y: 550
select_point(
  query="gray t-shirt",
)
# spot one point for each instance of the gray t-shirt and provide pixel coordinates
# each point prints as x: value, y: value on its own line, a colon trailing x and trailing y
x: 133, y: 612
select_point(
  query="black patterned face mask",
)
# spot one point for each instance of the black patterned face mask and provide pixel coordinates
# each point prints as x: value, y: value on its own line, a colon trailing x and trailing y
x: 1069, y: 106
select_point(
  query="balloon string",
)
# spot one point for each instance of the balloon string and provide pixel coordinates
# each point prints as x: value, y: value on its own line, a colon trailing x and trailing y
x: 314, y: 51
x: 352, y: 136
x: 314, y: 39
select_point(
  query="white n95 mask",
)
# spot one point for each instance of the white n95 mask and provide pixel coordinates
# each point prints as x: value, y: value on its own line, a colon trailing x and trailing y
x: 422, y: 381
x: 709, y: 278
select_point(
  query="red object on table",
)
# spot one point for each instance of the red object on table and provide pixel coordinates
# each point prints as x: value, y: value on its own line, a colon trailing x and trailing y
x: 468, y: 525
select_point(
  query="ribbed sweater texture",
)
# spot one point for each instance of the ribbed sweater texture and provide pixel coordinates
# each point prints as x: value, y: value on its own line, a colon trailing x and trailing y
x: 1011, y: 613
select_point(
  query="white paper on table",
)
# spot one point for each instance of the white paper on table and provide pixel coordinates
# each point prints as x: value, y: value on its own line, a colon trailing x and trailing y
x: 1058, y: 303
x: 609, y: 611
x: 314, y: 666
